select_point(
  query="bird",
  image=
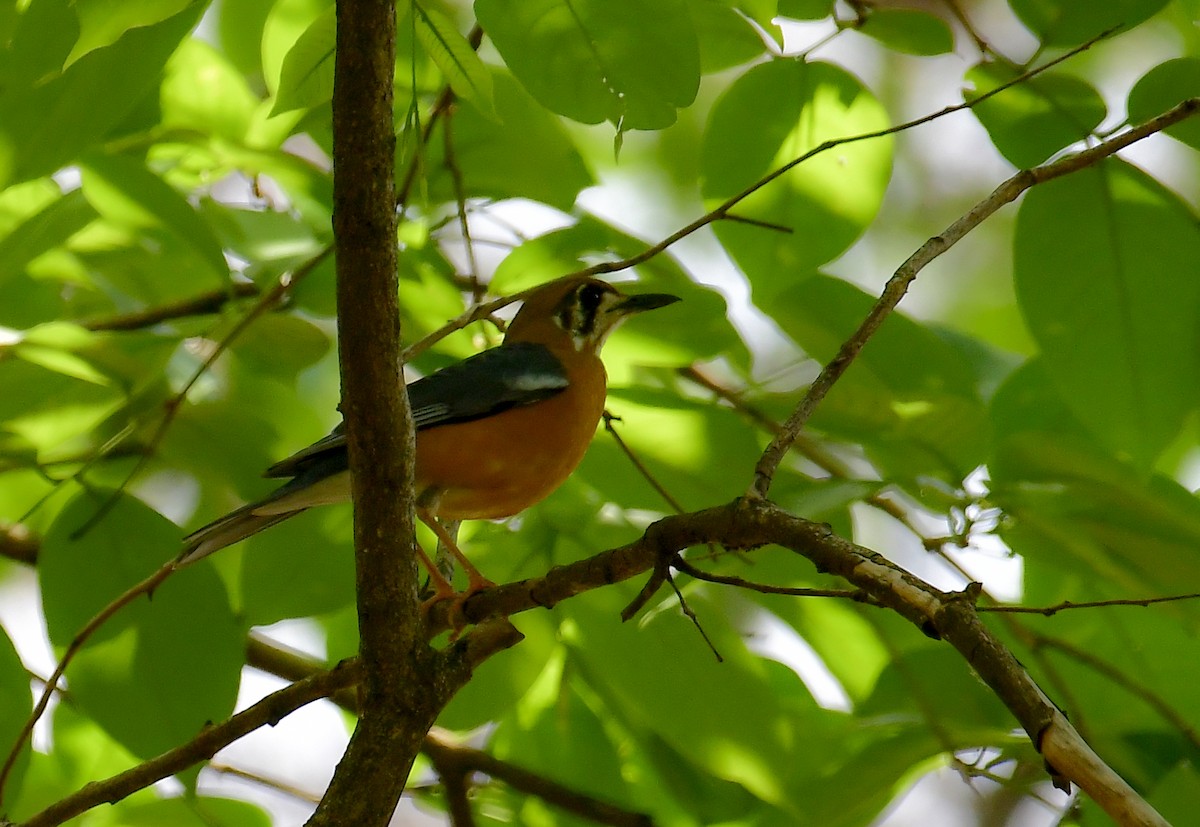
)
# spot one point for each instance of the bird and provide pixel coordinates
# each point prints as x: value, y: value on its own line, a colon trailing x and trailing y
x: 495, y: 433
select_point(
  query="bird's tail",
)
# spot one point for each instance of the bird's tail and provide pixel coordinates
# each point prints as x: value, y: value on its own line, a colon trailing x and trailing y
x: 232, y: 528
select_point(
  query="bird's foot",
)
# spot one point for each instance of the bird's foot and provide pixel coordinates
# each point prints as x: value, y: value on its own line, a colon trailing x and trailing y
x: 456, y: 615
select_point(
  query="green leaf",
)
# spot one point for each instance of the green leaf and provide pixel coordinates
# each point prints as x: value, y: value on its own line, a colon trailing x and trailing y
x: 727, y: 720
x: 104, y: 22
x: 240, y: 28
x: 520, y: 151
x: 923, y: 676
x: 1032, y: 120
x: 847, y: 643
x: 910, y: 397
x: 281, y: 344
x: 306, y: 77
x: 498, y: 684
x: 566, y: 741
x: 630, y: 62
x: 459, y: 63
x: 709, y: 799
x: 159, y: 669
x: 56, y: 346
x: 1071, y: 22
x: 318, y: 549
x: 49, y: 123
x: 1072, y: 504
x: 914, y: 32
x: 675, y: 440
x: 726, y: 38
x: 805, y: 9
x: 43, y: 231
x: 47, y: 406
x: 202, y: 91
x: 1104, y: 267
x: 272, y: 241
x: 198, y: 811
x: 1163, y: 87
x: 764, y: 13
x: 824, y: 203
x: 41, y: 38
x: 285, y: 22
x: 82, y: 753
x: 122, y: 190
x: 14, y: 711
x: 1176, y: 795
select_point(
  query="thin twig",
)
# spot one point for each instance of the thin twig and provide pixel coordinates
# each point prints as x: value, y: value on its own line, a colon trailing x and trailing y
x: 691, y: 615
x: 460, y: 202
x: 639, y: 465
x: 758, y: 222
x: 441, y: 106
x: 270, y: 783
x: 205, y: 303
x: 687, y: 568
x: 981, y: 44
x: 1049, y: 611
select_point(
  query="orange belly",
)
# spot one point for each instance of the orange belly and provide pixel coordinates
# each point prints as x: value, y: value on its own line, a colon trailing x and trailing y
x: 499, y: 465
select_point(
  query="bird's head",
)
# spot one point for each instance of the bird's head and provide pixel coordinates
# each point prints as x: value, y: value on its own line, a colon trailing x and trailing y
x: 581, y: 311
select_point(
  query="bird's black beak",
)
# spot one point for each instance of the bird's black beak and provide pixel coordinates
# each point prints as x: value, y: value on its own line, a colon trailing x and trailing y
x: 640, y: 302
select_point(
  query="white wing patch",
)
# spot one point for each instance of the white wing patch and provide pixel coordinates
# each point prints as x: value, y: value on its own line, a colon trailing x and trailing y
x: 538, y: 381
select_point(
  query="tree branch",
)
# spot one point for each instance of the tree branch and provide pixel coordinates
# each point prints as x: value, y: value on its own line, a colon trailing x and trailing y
x: 399, y: 695
x: 950, y: 616
x: 18, y: 543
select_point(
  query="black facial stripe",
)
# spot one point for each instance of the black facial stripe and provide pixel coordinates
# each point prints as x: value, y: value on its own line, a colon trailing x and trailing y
x: 580, y: 310
x: 566, y: 316
x: 586, y: 307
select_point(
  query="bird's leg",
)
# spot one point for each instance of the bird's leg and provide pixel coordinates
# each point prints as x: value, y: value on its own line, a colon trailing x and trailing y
x: 476, y: 582
x: 442, y: 588
x: 443, y: 559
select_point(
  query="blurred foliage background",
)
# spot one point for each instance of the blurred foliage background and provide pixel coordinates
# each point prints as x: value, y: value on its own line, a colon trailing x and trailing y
x: 1028, y: 420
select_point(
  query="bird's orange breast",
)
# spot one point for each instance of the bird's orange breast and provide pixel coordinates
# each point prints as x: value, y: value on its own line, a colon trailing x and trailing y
x: 496, y: 466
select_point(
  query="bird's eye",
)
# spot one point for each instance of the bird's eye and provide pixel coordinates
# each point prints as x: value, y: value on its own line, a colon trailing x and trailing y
x: 590, y: 296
